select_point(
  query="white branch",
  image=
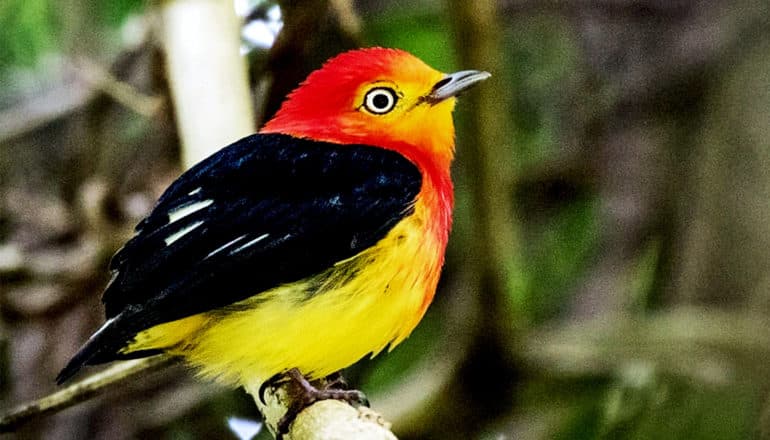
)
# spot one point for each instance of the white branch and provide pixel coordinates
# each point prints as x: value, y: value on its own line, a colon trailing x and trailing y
x: 323, y: 420
x: 207, y: 75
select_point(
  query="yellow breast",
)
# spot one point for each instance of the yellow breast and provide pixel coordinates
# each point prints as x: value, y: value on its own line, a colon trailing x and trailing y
x: 321, y: 324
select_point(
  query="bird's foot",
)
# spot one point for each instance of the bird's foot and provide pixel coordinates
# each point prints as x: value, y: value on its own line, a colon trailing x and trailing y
x: 335, y: 381
x: 333, y: 387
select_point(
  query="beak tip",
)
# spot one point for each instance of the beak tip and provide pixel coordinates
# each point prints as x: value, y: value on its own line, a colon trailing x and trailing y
x: 454, y: 83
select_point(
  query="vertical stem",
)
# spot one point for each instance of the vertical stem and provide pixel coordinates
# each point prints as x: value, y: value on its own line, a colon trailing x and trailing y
x: 488, y: 155
x: 207, y: 75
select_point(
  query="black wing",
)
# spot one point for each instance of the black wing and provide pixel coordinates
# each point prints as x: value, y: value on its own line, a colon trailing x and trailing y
x: 267, y: 210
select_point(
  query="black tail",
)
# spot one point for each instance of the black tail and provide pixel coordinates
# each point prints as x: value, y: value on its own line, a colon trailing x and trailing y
x: 81, y: 359
x: 95, y: 351
x: 104, y: 346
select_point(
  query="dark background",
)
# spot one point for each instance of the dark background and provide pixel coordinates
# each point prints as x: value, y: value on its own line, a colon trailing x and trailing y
x: 607, y: 276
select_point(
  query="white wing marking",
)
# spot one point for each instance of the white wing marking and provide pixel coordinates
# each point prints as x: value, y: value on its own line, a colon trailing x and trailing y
x: 184, y: 211
x: 113, y: 276
x: 181, y: 233
x: 224, y: 246
x: 250, y: 243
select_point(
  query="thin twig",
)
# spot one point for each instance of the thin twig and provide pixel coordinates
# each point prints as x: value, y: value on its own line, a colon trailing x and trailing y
x: 72, y: 94
x: 122, y: 92
x: 85, y: 389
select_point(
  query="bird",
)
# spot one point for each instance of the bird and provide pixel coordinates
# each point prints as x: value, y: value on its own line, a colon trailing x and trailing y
x: 305, y: 247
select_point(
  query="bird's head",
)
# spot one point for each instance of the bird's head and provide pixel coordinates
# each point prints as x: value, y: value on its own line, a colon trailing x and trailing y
x: 376, y: 96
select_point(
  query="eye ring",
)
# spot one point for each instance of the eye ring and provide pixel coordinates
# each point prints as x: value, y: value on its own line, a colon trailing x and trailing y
x: 380, y: 100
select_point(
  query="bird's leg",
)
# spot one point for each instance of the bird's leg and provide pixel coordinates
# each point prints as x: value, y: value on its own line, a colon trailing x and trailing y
x: 336, y: 381
x: 333, y: 387
x: 309, y: 394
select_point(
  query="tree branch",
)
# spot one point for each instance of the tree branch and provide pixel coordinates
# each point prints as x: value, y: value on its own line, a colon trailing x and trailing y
x: 83, y: 390
x: 207, y: 75
x: 122, y: 92
x: 326, y: 419
x: 323, y: 420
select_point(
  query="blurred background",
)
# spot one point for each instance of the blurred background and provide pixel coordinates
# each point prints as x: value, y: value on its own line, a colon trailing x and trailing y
x: 608, y: 275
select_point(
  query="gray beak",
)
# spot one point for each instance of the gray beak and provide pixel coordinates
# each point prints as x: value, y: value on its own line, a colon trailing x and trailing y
x: 454, y: 83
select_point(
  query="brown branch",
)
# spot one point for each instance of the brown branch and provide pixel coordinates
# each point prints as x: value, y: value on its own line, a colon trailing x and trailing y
x: 121, y: 92
x: 322, y: 420
x: 92, y: 386
x: 348, y: 20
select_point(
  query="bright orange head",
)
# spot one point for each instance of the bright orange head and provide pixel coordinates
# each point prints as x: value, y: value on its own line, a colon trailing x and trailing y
x: 381, y: 97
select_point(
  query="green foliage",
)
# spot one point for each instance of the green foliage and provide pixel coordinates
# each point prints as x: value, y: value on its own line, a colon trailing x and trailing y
x: 28, y: 29
x: 558, y: 251
x: 32, y: 29
x: 642, y: 404
x: 541, y: 58
x: 558, y: 241
x: 421, y: 31
x: 114, y: 12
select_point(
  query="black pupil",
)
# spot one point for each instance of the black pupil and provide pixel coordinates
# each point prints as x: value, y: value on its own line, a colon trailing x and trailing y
x: 381, y: 100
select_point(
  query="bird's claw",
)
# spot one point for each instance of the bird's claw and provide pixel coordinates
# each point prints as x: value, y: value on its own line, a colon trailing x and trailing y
x: 308, y: 394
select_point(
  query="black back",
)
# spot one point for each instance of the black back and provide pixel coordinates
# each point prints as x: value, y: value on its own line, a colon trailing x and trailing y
x: 281, y: 209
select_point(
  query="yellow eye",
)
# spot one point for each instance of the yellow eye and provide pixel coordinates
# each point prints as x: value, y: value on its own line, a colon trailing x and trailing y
x: 380, y: 100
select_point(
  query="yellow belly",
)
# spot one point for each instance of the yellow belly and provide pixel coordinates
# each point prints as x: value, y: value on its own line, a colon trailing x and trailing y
x: 319, y: 325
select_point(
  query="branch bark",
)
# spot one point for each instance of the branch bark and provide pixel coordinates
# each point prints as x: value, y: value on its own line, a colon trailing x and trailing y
x: 323, y: 420
x: 207, y: 75
x: 86, y: 389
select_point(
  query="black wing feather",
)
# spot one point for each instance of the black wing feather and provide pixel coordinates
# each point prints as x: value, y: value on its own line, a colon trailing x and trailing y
x: 318, y: 203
